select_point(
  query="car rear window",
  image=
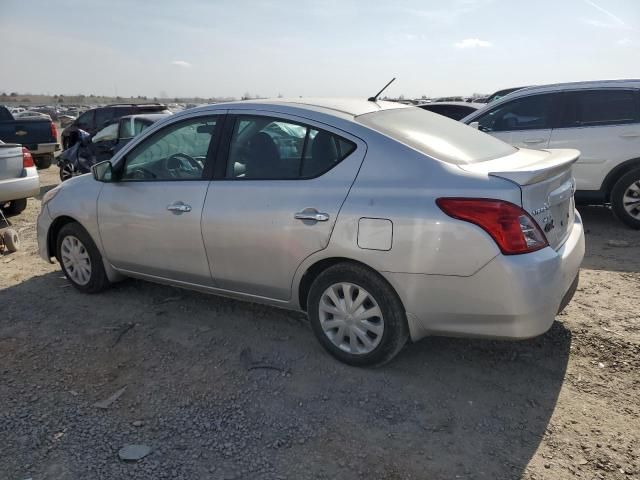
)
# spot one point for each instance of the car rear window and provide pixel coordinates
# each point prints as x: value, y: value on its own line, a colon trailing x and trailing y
x: 436, y: 136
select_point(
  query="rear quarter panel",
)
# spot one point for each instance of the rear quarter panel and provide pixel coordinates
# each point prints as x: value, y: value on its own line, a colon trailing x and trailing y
x: 400, y: 184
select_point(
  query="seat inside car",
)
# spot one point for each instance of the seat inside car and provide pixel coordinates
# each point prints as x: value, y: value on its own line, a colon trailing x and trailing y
x: 323, y: 153
x: 263, y: 157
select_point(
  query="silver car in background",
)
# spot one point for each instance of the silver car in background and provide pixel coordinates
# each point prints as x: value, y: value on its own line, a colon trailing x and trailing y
x: 383, y: 222
x: 19, y: 178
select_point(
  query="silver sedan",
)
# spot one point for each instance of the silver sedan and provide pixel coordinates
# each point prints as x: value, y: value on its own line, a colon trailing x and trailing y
x: 383, y: 222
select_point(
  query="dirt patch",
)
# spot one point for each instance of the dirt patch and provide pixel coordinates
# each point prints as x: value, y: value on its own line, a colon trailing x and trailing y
x: 562, y: 405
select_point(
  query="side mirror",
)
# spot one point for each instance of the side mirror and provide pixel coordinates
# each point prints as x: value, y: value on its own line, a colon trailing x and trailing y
x: 475, y: 125
x: 103, y: 171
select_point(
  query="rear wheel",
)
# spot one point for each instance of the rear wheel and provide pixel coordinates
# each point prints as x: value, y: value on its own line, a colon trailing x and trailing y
x: 625, y: 198
x: 356, y: 315
x: 15, y: 207
x: 43, y: 161
x: 80, y: 259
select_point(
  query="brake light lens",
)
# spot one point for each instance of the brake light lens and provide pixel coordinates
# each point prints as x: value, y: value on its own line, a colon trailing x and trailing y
x: 27, y: 159
x: 513, y: 229
x: 54, y: 131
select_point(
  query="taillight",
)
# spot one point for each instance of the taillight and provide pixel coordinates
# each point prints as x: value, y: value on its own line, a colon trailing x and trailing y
x: 54, y: 131
x: 509, y: 225
x: 27, y: 159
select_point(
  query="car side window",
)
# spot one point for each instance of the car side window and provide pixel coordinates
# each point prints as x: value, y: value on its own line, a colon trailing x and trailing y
x: 139, y: 125
x: 528, y: 113
x: 177, y: 152
x: 266, y: 148
x: 85, y: 120
x: 107, y: 133
x: 103, y: 116
x: 599, y: 108
x: 126, y: 129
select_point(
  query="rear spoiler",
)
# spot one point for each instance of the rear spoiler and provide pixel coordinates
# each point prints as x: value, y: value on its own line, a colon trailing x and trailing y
x: 526, y: 167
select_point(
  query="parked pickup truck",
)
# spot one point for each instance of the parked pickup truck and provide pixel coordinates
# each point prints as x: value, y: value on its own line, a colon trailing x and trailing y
x: 18, y: 178
x: 39, y: 135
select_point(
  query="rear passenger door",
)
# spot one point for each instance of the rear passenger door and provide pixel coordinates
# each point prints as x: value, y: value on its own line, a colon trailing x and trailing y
x: 279, y: 185
x: 523, y: 122
x: 604, y: 125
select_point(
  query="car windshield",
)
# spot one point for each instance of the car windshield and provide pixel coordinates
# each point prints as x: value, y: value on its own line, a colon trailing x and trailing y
x: 436, y: 136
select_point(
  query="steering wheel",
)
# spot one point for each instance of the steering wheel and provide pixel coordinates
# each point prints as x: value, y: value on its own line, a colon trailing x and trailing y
x: 141, y: 173
x: 193, y: 163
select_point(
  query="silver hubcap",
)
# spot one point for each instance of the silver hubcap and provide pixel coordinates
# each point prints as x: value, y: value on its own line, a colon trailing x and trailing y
x: 631, y: 200
x: 351, y: 318
x: 75, y: 259
x: 67, y: 171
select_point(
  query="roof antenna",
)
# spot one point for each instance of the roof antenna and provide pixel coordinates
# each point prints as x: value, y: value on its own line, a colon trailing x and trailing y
x: 375, y: 97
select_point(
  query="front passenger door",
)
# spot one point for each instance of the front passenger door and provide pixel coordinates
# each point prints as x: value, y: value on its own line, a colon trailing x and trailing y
x: 523, y: 122
x: 149, y: 219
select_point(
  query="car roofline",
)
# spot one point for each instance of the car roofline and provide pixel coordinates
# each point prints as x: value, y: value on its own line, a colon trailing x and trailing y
x: 335, y: 107
x: 634, y: 83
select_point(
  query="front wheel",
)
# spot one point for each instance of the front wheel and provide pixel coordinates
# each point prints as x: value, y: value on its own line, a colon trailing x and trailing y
x: 625, y: 198
x: 67, y: 170
x: 356, y: 315
x: 80, y: 259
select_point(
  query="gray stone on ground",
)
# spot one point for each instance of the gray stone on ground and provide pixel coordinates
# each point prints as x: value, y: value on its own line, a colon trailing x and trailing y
x: 133, y: 453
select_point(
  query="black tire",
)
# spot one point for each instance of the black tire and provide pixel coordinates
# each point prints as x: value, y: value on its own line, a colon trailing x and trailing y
x: 617, y: 198
x: 43, y: 161
x: 98, y: 280
x: 15, y: 207
x: 396, y: 330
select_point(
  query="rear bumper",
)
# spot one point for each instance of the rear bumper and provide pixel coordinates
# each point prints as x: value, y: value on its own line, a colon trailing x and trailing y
x: 511, y: 297
x: 45, y: 148
x: 28, y: 185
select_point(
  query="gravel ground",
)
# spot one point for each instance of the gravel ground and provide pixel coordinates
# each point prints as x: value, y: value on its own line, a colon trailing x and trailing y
x: 224, y: 389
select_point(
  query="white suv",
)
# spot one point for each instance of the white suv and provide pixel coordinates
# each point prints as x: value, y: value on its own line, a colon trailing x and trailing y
x: 601, y: 119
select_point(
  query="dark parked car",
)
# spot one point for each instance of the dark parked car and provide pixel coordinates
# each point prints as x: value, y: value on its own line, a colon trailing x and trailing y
x: 502, y: 93
x: 96, y: 119
x: 90, y: 150
x: 454, y: 110
x: 38, y: 134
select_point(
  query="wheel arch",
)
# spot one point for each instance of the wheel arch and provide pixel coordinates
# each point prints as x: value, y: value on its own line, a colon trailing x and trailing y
x: 54, y: 229
x: 52, y: 236
x: 617, y: 172
x: 316, y: 268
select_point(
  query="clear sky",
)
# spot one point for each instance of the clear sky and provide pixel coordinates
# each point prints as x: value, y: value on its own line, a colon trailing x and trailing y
x: 312, y: 48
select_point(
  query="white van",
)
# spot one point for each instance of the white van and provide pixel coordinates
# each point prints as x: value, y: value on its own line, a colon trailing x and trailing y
x: 601, y: 119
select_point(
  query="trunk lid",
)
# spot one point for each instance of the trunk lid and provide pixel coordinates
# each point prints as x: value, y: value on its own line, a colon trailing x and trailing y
x: 10, y: 161
x: 546, y: 184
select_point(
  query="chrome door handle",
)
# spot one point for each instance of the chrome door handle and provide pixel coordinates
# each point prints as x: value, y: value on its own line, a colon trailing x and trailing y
x: 630, y: 135
x: 533, y: 140
x: 311, y: 214
x: 179, y: 207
